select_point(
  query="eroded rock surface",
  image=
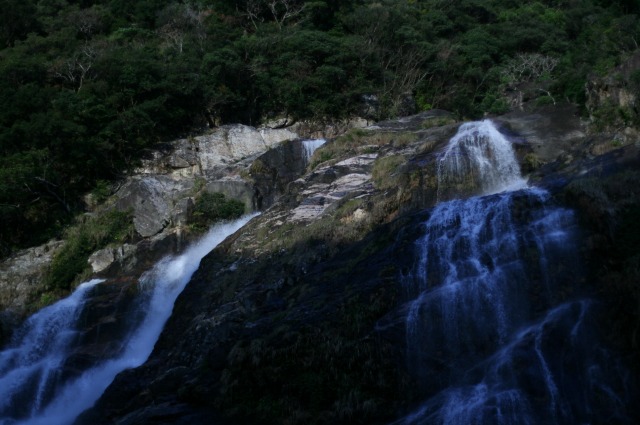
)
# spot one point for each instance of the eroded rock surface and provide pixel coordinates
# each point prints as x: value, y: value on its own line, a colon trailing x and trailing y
x: 21, y: 274
x: 20, y: 280
x: 205, y: 155
x: 330, y: 186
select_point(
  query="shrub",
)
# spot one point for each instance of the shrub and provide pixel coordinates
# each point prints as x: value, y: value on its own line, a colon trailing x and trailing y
x: 212, y: 207
x: 385, y: 169
x: 94, y: 233
x: 101, y: 191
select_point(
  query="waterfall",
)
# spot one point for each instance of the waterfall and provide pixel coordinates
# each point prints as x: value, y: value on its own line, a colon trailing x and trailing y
x: 31, y: 389
x: 310, y: 147
x: 30, y: 367
x: 492, y: 335
x: 479, y: 157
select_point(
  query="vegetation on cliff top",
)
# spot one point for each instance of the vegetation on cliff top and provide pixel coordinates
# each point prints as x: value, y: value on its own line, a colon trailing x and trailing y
x: 86, y: 85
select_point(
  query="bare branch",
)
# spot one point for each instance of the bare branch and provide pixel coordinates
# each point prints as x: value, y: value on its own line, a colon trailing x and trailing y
x: 76, y: 69
x: 528, y: 67
x: 284, y: 10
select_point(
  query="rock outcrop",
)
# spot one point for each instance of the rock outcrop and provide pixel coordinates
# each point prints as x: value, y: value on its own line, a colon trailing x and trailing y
x: 614, y: 107
x: 20, y: 278
x: 254, y: 166
x: 207, y: 155
x: 23, y: 272
x: 160, y: 191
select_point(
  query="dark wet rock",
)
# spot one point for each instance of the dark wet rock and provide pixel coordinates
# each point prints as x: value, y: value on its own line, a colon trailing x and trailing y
x: 182, y: 211
x: 549, y: 132
x: 9, y: 321
x: 272, y: 171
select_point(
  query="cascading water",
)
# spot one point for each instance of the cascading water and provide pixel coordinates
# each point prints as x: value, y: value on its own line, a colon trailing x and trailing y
x: 479, y: 157
x: 310, y: 147
x: 30, y: 368
x: 32, y: 390
x: 490, y: 332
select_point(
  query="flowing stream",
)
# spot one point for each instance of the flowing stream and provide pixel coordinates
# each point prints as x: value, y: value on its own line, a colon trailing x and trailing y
x: 33, y: 387
x: 310, y: 147
x: 494, y: 333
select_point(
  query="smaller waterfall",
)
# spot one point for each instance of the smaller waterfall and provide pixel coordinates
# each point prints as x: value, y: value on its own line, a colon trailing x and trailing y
x: 480, y: 158
x: 28, y: 367
x: 310, y: 147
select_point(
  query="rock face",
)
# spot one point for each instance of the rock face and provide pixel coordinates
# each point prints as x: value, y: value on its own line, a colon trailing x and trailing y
x: 23, y: 271
x: 614, y: 89
x: 281, y: 323
x: 333, y: 185
x: 549, y: 133
x: 151, y: 199
x: 273, y: 171
x: 104, y: 258
x: 20, y: 279
x: 162, y: 189
x: 206, y: 155
x: 161, y: 196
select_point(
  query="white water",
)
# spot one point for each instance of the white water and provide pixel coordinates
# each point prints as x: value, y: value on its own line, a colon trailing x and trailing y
x: 54, y: 327
x: 30, y: 367
x: 486, y: 334
x: 480, y: 156
x: 310, y: 147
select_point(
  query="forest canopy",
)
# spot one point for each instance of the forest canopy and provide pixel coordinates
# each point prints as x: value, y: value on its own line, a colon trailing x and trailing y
x: 87, y: 85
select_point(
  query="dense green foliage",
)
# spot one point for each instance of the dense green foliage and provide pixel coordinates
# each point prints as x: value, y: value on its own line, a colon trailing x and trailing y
x: 212, y: 207
x: 86, y: 85
x: 82, y: 240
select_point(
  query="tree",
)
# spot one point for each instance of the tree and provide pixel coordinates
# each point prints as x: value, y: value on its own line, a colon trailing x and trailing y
x: 18, y: 19
x: 279, y: 11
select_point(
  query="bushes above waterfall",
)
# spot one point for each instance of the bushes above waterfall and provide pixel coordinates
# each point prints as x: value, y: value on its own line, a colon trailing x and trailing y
x: 212, y: 207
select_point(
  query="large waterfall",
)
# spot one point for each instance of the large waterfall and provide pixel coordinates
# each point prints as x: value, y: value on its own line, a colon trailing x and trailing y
x: 495, y: 331
x: 33, y: 387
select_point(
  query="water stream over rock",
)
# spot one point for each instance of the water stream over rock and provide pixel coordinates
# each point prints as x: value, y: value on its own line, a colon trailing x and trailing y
x: 494, y: 333
x: 310, y: 146
x: 39, y: 384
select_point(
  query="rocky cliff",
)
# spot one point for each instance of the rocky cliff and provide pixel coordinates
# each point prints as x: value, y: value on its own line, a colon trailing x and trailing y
x: 247, y: 164
x: 283, y: 323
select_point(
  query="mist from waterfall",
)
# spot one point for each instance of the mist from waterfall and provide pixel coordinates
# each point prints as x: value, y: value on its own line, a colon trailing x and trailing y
x: 32, y: 389
x: 493, y: 333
